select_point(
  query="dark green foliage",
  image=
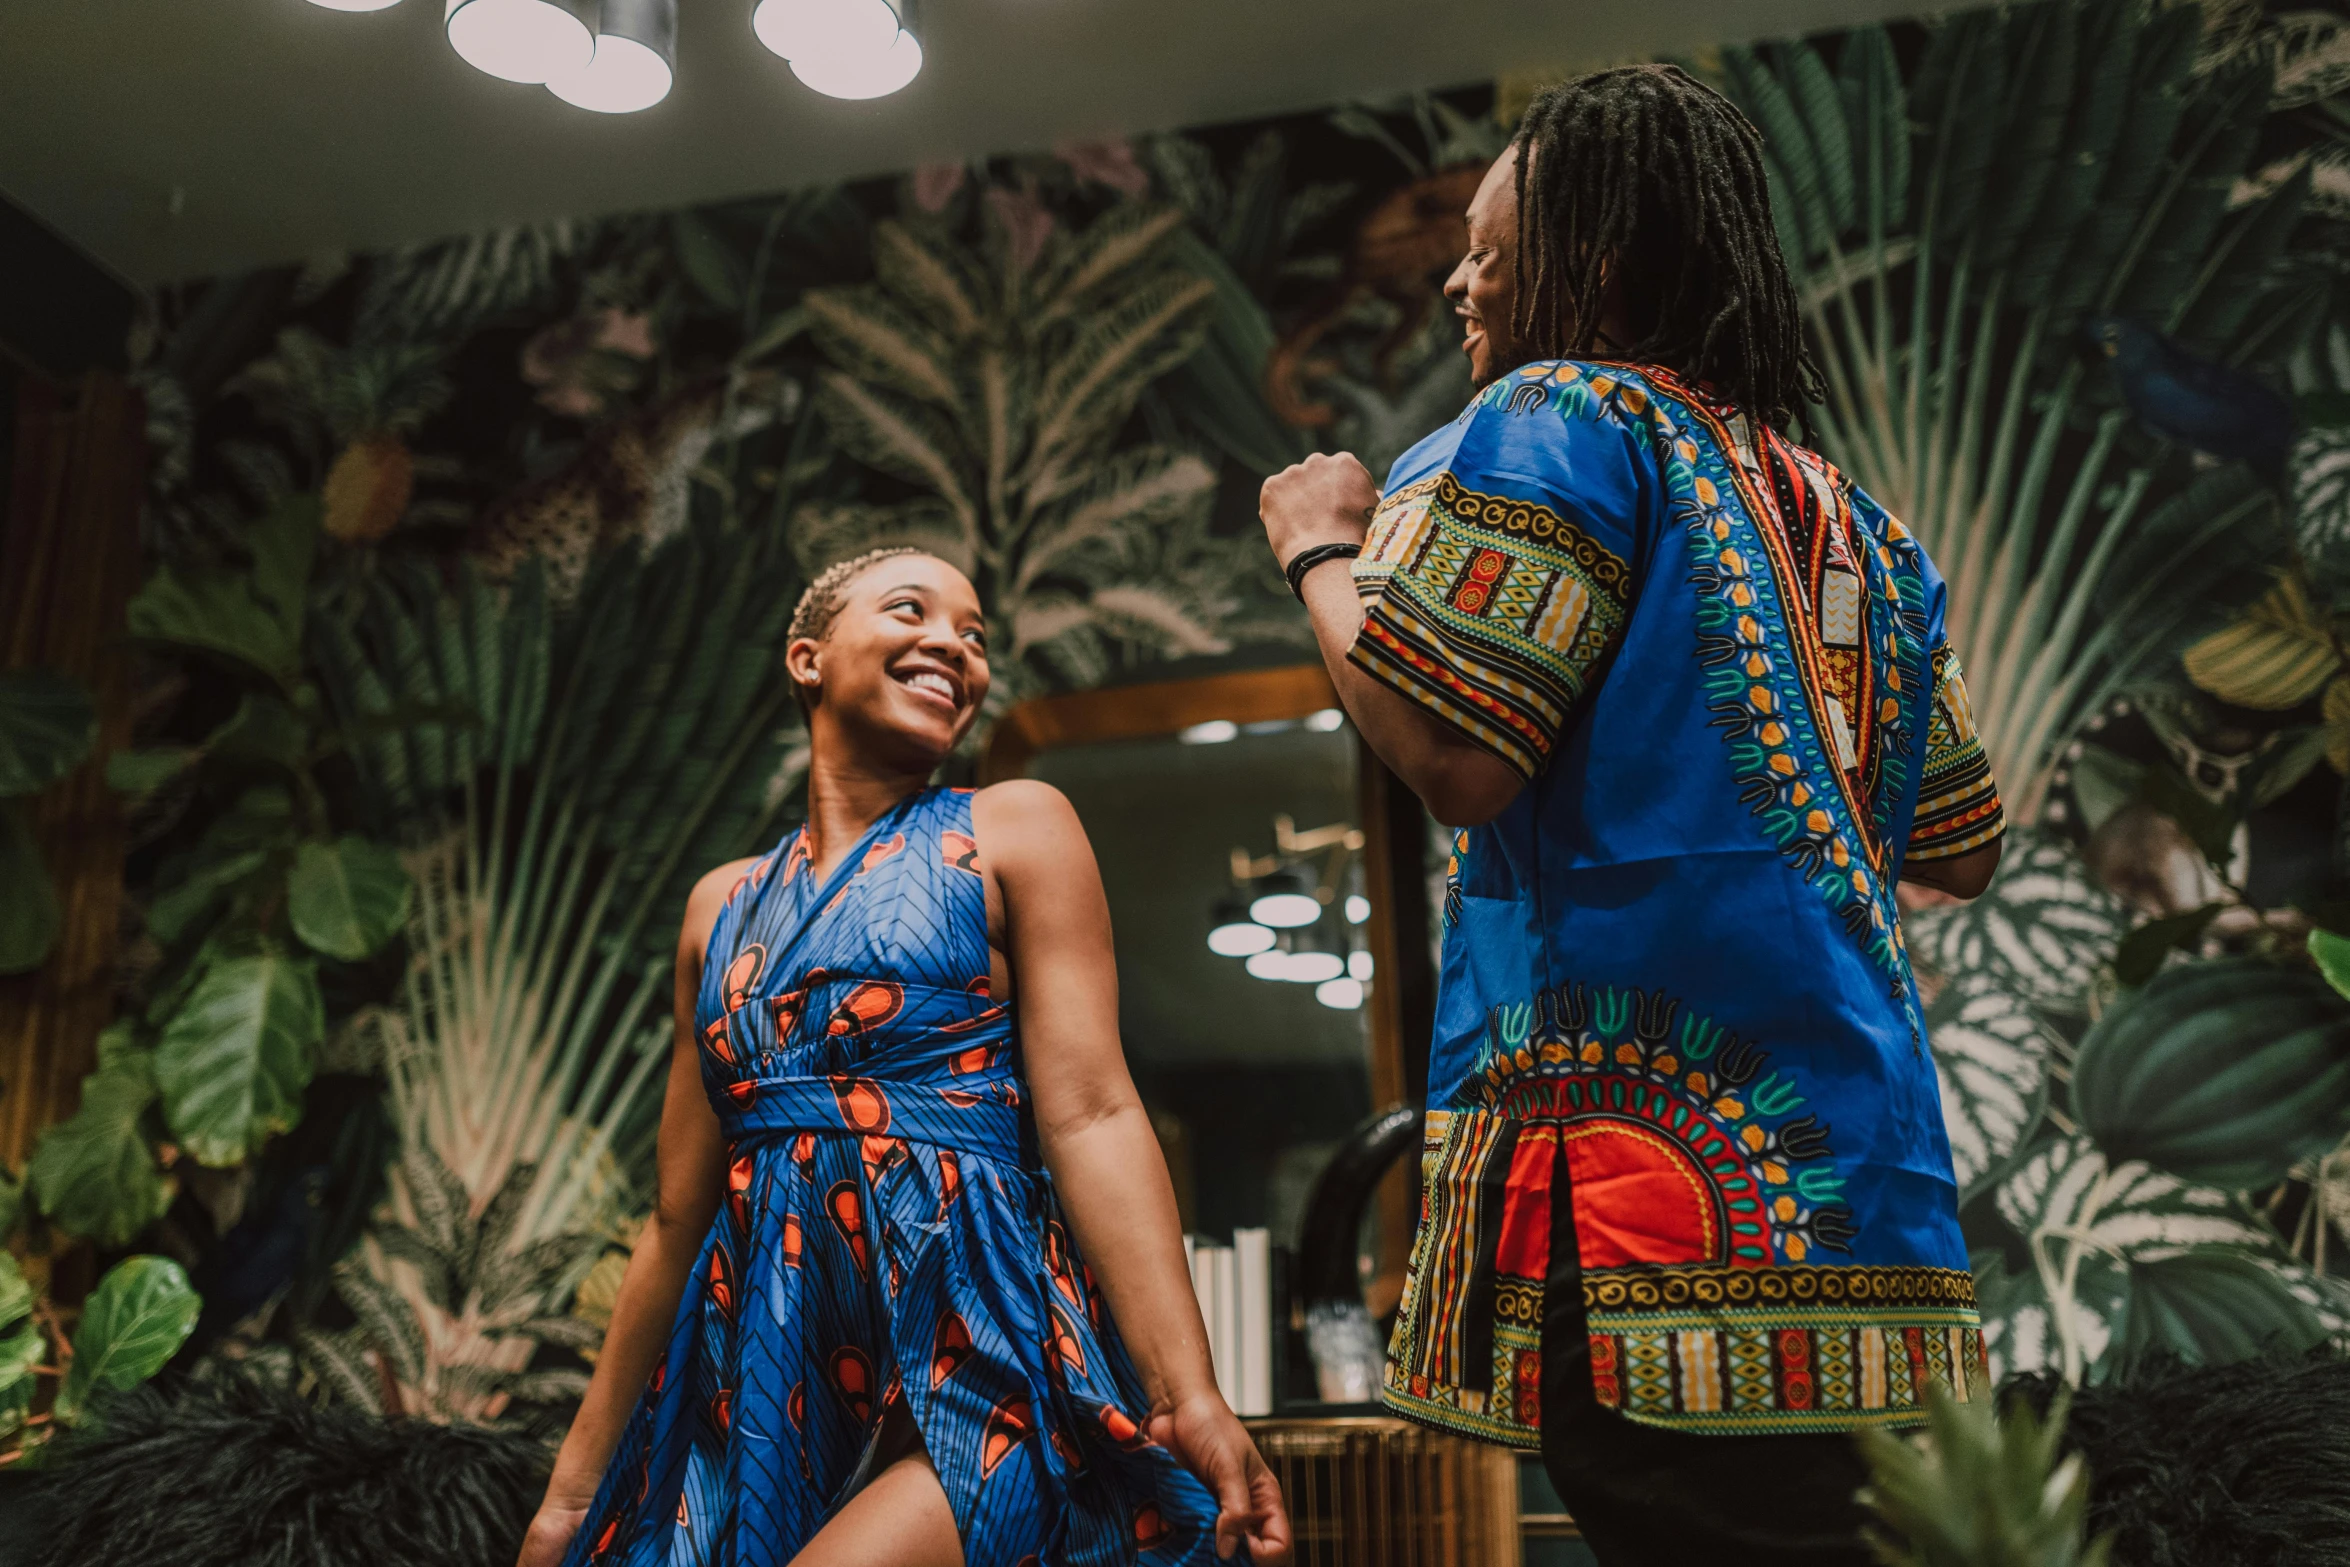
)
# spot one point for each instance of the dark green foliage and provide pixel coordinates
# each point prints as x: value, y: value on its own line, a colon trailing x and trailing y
x: 2226, y: 1072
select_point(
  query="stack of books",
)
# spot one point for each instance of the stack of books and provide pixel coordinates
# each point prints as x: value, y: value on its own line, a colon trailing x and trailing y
x: 1235, y: 1288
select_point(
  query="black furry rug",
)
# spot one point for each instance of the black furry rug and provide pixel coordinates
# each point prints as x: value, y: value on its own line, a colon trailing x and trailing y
x: 241, y: 1475
x: 2245, y: 1465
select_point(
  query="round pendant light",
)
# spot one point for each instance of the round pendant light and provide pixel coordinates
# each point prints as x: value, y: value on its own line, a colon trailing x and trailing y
x: 1235, y: 935
x: 841, y: 48
x: 808, y: 29
x: 875, y: 76
x: 1272, y: 963
x: 634, y: 63
x: 523, y: 40
x: 1342, y: 995
x: 1313, y: 966
x: 1285, y: 900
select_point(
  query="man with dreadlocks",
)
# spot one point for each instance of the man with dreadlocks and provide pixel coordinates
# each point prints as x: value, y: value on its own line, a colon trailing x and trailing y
x: 1689, y: 1218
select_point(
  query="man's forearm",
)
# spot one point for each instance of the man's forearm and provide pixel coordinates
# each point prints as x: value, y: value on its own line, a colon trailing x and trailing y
x: 1462, y: 784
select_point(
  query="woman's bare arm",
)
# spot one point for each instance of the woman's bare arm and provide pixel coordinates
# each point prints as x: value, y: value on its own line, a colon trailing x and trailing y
x: 1097, y: 1141
x: 691, y: 1177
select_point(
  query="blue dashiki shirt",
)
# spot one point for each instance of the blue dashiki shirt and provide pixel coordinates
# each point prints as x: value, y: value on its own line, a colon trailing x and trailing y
x: 1674, y: 994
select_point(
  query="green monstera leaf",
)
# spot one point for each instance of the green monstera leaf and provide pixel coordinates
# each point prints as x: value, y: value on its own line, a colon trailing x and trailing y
x: 253, y: 616
x: 1991, y: 1061
x: 246, y: 840
x: 2122, y: 1255
x: 95, y: 1175
x: 2042, y: 929
x: 347, y: 898
x: 2227, y: 1072
x: 134, y: 1322
x: 234, y: 1059
x: 46, y: 727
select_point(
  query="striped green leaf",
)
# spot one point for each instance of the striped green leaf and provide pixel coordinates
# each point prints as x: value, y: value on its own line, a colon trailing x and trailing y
x: 2279, y: 654
x: 233, y: 1060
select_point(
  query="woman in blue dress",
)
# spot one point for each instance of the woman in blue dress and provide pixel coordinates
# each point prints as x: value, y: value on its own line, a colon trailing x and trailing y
x: 866, y: 1327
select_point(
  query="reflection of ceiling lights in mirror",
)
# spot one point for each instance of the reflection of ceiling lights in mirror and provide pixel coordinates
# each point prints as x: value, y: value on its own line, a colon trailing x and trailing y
x: 1312, y: 968
x: 634, y: 61
x: 1358, y: 908
x: 1342, y: 994
x: 1269, y: 964
x: 1285, y: 900
x: 1358, y: 964
x: 1214, y: 732
x: 355, y: 5
x: 521, y: 40
x: 1240, y: 939
x: 1327, y: 719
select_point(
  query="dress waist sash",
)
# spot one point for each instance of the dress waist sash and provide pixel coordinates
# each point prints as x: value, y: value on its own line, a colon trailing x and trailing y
x: 980, y: 1114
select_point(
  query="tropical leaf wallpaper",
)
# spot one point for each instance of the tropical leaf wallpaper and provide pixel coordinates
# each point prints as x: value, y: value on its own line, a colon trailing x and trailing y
x: 469, y: 566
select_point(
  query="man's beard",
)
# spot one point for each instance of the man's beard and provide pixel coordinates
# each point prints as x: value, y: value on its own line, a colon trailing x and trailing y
x: 1501, y: 358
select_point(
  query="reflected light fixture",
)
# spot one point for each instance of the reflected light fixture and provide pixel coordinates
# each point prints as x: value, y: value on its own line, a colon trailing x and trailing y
x: 1343, y: 995
x: 1272, y: 963
x: 842, y: 48
x: 355, y: 5
x: 522, y: 40
x: 634, y: 62
x: 1214, y: 732
x: 1326, y: 720
x: 1285, y: 900
x: 1358, y: 964
x: 1313, y: 967
x: 1236, y: 935
x: 1358, y: 908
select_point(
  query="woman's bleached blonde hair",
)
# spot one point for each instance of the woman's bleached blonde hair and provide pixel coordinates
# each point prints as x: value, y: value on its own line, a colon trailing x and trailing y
x: 820, y: 605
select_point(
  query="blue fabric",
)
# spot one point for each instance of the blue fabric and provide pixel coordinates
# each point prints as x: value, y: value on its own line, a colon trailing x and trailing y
x: 1673, y: 992
x: 888, y: 1237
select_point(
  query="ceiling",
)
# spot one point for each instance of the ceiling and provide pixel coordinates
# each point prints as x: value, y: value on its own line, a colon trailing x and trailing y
x: 178, y: 138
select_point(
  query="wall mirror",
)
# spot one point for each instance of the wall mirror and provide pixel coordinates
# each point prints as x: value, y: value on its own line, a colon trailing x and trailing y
x: 1271, y: 929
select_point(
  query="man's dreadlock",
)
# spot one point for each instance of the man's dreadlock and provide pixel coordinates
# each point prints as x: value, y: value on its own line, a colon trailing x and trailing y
x: 1647, y: 177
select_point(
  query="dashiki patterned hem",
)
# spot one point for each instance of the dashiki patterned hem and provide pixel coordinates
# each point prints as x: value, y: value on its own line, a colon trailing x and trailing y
x: 1701, y: 1185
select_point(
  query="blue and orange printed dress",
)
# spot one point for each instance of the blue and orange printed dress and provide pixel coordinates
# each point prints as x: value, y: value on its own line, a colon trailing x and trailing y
x: 888, y: 1238
x: 1680, y: 1077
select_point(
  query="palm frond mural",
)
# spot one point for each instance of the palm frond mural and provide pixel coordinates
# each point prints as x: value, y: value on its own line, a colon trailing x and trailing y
x: 994, y: 381
x: 585, y: 766
x: 2050, y: 181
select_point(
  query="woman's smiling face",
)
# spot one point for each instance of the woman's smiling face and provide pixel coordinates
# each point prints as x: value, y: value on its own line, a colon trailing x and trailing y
x: 904, y: 661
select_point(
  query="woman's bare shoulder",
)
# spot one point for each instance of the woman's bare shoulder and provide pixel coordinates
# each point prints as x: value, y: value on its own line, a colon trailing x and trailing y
x: 708, y: 897
x: 1024, y: 813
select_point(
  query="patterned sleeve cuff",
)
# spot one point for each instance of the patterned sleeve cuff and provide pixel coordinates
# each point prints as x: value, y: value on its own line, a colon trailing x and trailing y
x: 1958, y: 799
x: 1489, y: 611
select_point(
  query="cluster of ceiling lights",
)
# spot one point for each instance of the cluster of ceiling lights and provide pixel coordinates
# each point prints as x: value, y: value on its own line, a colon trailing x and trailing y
x: 619, y: 56
x: 1276, y: 924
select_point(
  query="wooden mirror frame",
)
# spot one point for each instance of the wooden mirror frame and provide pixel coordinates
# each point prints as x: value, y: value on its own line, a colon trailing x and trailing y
x: 1403, y: 988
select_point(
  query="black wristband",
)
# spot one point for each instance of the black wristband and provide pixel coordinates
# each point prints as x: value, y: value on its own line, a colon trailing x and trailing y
x: 1307, y: 559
